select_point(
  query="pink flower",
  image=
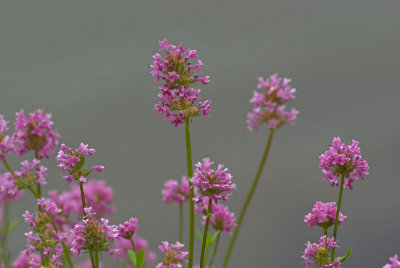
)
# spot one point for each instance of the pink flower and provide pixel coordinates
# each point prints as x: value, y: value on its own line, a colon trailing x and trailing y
x: 174, y: 256
x: 177, y: 97
x: 128, y: 228
x: 7, y: 144
x: 176, y: 192
x: 9, y: 192
x: 324, y: 215
x: 35, y: 133
x: 33, y: 172
x: 395, y: 262
x: 124, y: 245
x: 319, y: 253
x: 222, y: 219
x: 72, y: 162
x: 269, y: 107
x: 214, y: 184
x: 88, y: 264
x: 343, y: 160
x: 25, y: 260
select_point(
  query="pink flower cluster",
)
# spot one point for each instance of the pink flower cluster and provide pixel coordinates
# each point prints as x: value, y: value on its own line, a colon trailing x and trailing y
x: 222, y: 219
x: 128, y: 228
x: 343, y: 160
x: 33, y: 172
x: 324, y: 215
x: 395, y: 263
x: 319, y: 253
x: 268, y: 106
x: 174, y: 256
x: 9, y: 192
x: 35, y: 133
x: 214, y: 184
x: 173, y: 191
x: 26, y: 260
x: 177, y: 97
x: 7, y: 144
x: 72, y: 162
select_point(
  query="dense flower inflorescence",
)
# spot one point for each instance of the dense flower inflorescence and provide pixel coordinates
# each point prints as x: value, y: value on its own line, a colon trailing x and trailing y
x: 7, y: 144
x: 35, y: 133
x: 93, y: 235
x: 72, y: 161
x: 319, y: 253
x: 173, y: 191
x: 26, y: 260
x: 9, y: 192
x: 213, y: 184
x: 343, y: 160
x: 177, y: 97
x: 31, y: 173
x: 128, y: 228
x: 395, y: 263
x: 324, y: 215
x: 222, y: 219
x: 174, y: 256
x: 269, y: 107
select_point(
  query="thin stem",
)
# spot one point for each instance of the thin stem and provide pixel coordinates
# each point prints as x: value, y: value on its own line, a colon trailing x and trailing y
x: 38, y: 186
x: 92, y: 259
x: 326, y: 232
x: 206, y: 257
x: 191, y: 192
x: 337, y: 215
x: 180, y: 223
x: 214, y: 251
x: 97, y: 259
x: 83, y: 199
x: 133, y: 245
x: 248, y: 199
x: 205, y: 233
x: 4, y: 234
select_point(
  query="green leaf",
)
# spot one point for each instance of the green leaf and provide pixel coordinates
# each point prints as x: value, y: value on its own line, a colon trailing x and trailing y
x: 214, y: 237
x: 199, y: 235
x: 141, y: 256
x: 208, y: 240
x: 132, y: 257
x: 342, y: 259
x: 11, y: 226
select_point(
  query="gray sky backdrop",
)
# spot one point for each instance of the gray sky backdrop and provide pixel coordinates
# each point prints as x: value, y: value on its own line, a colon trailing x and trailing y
x: 86, y: 63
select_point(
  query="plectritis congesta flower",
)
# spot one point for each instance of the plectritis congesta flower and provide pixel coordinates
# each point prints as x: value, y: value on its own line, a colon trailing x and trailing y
x: 319, y: 253
x: 222, y: 219
x: 7, y: 144
x: 214, y: 184
x: 268, y: 106
x: 31, y: 173
x: 174, y: 256
x: 343, y: 160
x: 128, y: 228
x: 35, y: 133
x: 178, y: 74
x: 324, y: 215
x: 9, y: 191
x: 173, y: 191
x: 72, y: 162
x: 395, y: 263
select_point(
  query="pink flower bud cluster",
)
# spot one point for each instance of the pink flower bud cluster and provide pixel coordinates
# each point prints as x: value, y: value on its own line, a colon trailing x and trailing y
x: 319, y: 253
x: 174, y: 256
x: 26, y: 260
x: 343, y: 160
x: 222, y: 219
x: 9, y: 192
x: 395, y: 263
x: 128, y: 228
x: 177, y: 97
x: 173, y: 191
x: 7, y: 144
x: 324, y: 215
x: 32, y: 172
x: 268, y: 106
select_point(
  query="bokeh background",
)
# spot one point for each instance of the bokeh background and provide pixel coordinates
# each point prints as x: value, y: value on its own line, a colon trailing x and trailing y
x: 86, y: 62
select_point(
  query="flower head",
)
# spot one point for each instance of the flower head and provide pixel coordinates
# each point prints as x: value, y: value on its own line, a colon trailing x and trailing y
x: 319, y: 253
x: 222, y: 219
x: 35, y: 133
x: 324, y: 215
x: 174, y: 191
x: 213, y: 184
x: 343, y: 160
x: 174, y: 256
x: 72, y: 162
x: 268, y: 106
x: 395, y: 262
x: 26, y: 260
x: 31, y: 173
x: 9, y: 191
x: 178, y: 73
x: 7, y: 144
x: 128, y: 228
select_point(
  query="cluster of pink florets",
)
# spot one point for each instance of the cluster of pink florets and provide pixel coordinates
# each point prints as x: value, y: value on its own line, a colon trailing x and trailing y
x: 324, y: 215
x: 222, y: 219
x: 174, y: 255
x: 173, y: 191
x: 213, y: 184
x: 343, y: 160
x: 318, y: 253
x: 177, y: 97
x: 9, y: 192
x: 395, y: 263
x: 268, y: 106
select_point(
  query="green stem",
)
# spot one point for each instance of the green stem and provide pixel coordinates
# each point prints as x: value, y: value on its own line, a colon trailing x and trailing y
x: 97, y: 259
x: 38, y: 186
x: 133, y: 245
x: 92, y: 259
x: 337, y: 215
x: 206, y: 257
x: 326, y: 232
x: 248, y: 199
x: 214, y: 251
x: 191, y: 192
x: 205, y: 233
x: 83, y: 199
x: 180, y: 223
x: 4, y: 234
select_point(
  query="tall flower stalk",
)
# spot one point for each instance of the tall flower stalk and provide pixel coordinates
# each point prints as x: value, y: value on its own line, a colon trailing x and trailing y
x: 268, y: 107
x: 178, y: 102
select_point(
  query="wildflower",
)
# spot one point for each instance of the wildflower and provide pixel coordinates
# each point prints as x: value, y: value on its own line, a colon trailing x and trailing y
x: 174, y: 256
x: 178, y: 73
x: 140, y: 243
x: 26, y: 260
x: 214, y: 184
x: 128, y: 228
x: 319, y: 253
x: 395, y: 262
x: 31, y: 173
x: 72, y: 162
x: 222, y: 219
x: 9, y: 191
x: 35, y: 133
x: 88, y: 264
x: 7, y: 144
x: 343, y: 160
x: 174, y: 191
x: 324, y: 215
x: 268, y: 106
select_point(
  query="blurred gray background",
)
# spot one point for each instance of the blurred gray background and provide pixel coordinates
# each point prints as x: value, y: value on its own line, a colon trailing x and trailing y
x: 86, y: 62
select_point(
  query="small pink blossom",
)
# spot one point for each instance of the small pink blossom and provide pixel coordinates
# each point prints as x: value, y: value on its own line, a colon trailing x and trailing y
x: 9, y: 192
x: 174, y: 256
x: 173, y: 191
x: 26, y: 260
x: 7, y: 144
x: 128, y: 228
x: 395, y: 263
x: 319, y: 253
x: 324, y: 215
x: 222, y: 219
